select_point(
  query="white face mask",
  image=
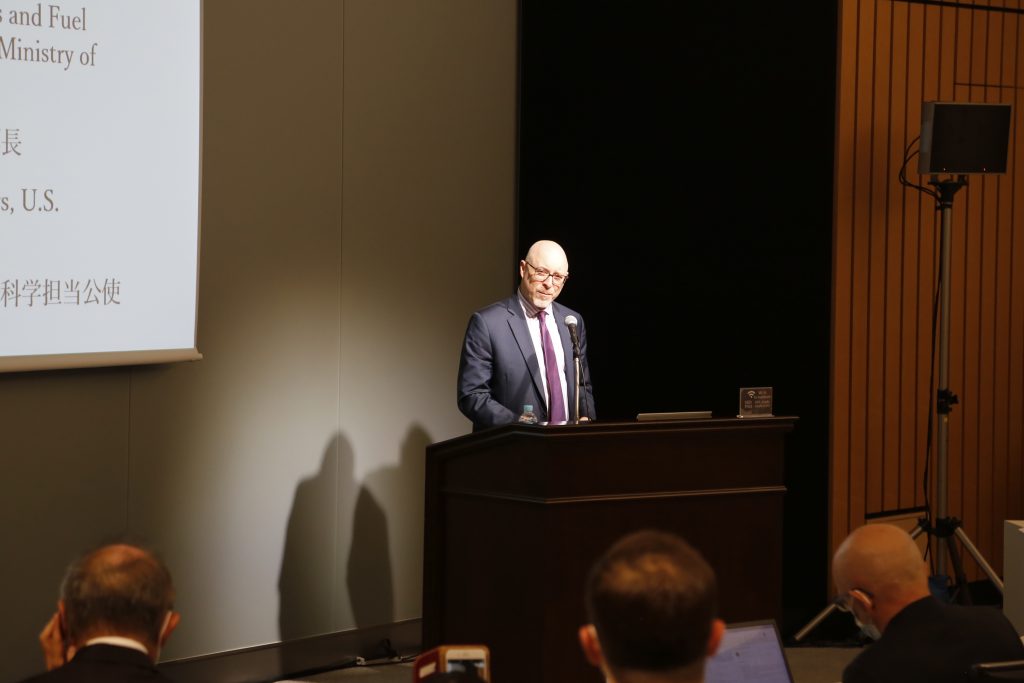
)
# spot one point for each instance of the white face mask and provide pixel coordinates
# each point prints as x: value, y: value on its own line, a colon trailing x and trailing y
x: 868, y: 629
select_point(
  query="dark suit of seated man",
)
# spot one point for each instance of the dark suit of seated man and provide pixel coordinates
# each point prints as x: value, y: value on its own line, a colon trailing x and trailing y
x: 114, y: 614
x: 652, y: 601
x: 518, y: 352
x: 883, y: 580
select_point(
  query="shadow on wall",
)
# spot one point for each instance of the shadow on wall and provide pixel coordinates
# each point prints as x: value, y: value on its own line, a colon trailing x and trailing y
x: 368, y: 571
x: 333, y: 517
x: 305, y: 585
x: 401, y: 490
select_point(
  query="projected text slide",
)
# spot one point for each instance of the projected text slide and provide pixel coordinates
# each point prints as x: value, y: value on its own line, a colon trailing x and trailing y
x: 99, y: 179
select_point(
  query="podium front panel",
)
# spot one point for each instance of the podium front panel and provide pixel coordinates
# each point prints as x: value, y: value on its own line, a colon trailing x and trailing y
x: 516, y: 516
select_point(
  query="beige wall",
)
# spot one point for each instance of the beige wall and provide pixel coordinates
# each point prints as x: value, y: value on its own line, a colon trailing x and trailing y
x: 358, y: 193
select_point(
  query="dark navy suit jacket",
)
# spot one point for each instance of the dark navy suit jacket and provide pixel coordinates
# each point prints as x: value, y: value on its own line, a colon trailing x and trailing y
x: 932, y: 642
x: 499, y: 371
x: 104, y: 664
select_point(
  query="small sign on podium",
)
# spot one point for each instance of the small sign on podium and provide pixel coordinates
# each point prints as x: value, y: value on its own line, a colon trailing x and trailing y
x: 755, y: 402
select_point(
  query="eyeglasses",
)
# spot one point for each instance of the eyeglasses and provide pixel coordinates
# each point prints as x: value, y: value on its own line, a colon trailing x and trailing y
x: 844, y: 603
x: 541, y: 274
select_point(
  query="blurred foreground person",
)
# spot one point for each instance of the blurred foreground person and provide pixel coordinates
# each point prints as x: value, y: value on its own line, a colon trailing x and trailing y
x: 652, y: 602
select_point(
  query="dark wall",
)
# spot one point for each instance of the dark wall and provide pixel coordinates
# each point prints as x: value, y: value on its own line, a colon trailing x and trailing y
x: 683, y: 155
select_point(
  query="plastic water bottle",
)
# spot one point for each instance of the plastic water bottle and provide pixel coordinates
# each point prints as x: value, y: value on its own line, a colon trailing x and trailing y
x: 528, y: 416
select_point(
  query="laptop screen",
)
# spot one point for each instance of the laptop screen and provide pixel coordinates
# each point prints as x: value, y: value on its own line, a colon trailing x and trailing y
x: 750, y: 653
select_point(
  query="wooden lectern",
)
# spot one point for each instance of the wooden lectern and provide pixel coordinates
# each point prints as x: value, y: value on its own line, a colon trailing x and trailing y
x: 516, y: 515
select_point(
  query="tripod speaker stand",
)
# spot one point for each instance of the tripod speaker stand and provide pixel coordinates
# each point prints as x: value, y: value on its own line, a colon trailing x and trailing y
x: 946, y: 528
x: 957, y: 139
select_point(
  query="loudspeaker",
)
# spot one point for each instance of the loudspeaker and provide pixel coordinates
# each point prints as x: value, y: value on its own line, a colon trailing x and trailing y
x: 964, y: 138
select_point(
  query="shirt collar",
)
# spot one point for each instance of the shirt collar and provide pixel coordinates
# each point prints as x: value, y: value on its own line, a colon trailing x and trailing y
x: 118, y: 641
x: 529, y: 309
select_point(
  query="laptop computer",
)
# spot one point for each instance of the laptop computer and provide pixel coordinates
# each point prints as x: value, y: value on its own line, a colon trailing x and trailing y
x: 684, y: 415
x: 750, y: 652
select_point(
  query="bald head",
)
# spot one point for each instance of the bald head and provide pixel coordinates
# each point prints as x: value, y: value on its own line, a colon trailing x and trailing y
x: 117, y: 589
x: 548, y: 253
x: 544, y: 263
x: 883, y: 560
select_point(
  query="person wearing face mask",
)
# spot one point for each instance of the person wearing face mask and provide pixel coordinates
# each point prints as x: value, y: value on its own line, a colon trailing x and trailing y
x: 882, y: 580
x: 116, y: 610
x: 518, y: 352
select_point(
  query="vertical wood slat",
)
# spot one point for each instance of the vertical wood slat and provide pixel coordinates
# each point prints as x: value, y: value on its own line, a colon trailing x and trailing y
x: 893, y: 55
x: 842, y: 249
x: 934, y: 28
x: 1004, y: 311
x: 905, y: 51
x: 1016, y: 298
x: 892, y: 417
x: 987, y: 238
x: 861, y: 226
x: 910, y: 206
x: 968, y: 297
x: 877, y: 255
x: 991, y: 230
x: 842, y: 268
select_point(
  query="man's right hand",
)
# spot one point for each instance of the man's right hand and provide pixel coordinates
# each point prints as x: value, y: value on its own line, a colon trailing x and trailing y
x: 51, y: 639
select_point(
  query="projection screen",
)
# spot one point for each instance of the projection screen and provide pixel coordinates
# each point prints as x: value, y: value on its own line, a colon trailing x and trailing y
x: 99, y: 182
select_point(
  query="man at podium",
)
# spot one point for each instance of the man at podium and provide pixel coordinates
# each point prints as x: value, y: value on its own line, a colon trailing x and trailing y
x: 519, y: 352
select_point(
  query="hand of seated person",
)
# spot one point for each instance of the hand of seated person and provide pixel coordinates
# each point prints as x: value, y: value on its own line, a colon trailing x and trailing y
x: 51, y: 639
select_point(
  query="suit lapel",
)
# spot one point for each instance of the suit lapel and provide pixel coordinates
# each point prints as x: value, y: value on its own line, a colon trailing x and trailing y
x: 517, y: 323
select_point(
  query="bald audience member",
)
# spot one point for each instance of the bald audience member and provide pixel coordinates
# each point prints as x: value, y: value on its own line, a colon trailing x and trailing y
x: 114, y: 614
x: 883, y: 580
x: 652, y: 602
x: 518, y: 352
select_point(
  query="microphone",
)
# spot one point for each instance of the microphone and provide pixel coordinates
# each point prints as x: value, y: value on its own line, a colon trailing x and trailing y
x: 570, y: 322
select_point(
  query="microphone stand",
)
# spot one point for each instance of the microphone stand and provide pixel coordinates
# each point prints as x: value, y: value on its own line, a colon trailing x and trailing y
x: 576, y: 361
x: 579, y: 368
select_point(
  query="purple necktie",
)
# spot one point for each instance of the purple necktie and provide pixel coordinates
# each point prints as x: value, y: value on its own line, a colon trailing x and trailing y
x: 556, y: 405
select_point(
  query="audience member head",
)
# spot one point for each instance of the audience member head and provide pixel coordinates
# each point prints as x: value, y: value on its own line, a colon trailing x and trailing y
x: 878, y: 570
x: 118, y: 590
x: 652, y: 603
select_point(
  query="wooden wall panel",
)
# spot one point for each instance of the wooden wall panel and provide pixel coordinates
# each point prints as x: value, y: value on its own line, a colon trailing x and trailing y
x: 1004, y: 283
x: 842, y: 271
x: 893, y: 55
x: 1015, y: 428
x: 878, y: 168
